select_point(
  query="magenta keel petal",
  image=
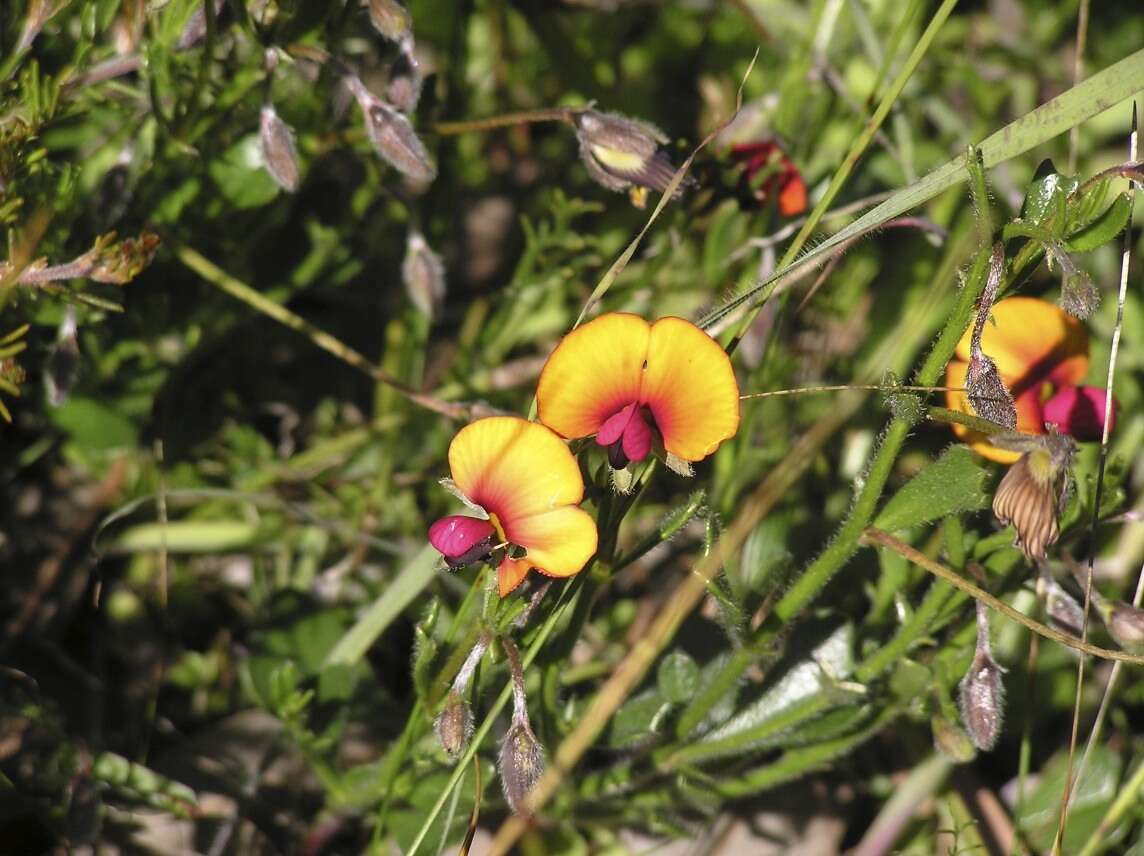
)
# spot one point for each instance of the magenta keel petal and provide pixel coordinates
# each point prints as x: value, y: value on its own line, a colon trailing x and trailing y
x: 637, y: 438
x: 456, y: 535
x: 615, y: 425
x: 1079, y: 412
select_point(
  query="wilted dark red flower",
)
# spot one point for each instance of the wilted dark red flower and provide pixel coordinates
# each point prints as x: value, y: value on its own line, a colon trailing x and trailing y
x: 767, y: 171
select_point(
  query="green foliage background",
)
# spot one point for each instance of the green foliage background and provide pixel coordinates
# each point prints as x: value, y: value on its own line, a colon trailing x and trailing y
x: 222, y: 625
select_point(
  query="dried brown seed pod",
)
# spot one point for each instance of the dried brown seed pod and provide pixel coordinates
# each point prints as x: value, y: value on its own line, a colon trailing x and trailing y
x: 981, y: 694
x: 521, y: 765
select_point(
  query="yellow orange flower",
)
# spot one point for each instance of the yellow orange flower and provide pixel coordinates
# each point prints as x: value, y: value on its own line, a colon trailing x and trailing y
x: 625, y: 380
x: 524, y: 478
x: 1041, y: 354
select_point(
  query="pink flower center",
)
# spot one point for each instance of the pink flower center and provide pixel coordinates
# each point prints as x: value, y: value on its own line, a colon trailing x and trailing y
x: 627, y: 435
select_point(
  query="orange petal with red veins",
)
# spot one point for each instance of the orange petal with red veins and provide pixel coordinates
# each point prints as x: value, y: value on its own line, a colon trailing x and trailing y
x: 1029, y: 417
x: 1031, y: 341
x: 559, y: 542
x: 594, y: 371
x: 513, y: 468
x: 510, y: 574
x: 691, y: 389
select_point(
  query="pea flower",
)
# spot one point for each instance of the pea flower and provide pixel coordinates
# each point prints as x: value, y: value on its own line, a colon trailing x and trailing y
x: 525, y: 486
x: 765, y: 171
x: 1041, y: 354
x: 632, y: 384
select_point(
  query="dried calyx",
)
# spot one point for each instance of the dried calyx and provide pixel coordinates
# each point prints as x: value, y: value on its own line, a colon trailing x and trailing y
x: 1032, y: 492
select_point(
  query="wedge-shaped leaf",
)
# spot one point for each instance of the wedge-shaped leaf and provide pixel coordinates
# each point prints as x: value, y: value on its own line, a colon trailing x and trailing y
x: 953, y: 483
x: 638, y: 719
x: 677, y: 677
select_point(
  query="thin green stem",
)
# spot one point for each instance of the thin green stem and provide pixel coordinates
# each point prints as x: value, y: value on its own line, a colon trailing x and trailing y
x: 571, y: 596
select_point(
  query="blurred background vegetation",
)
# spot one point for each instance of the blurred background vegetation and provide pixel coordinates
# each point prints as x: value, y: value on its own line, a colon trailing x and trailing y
x: 222, y: 629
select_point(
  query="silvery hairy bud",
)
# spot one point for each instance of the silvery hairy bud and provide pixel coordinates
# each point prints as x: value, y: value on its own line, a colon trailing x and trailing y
x: 454, y: 725
x: 1079, y: 295
x: 61, y: 370
x: 390, y: 18
x: 404, y: 86
x: 423, y: 275
x: 521, y: 759
x: 1124, y: 622
x: 986, y: 391
x: 1064, y: 613
x: 276, y: 144
x: 521, y: 765
x: 981, y: 695
x: 620, y: 153
x: 392, y: 135
x: 1032, y: 491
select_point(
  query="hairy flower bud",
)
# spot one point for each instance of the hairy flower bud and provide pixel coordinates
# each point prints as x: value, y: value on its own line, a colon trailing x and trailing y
x: 403, y: 88
x: 392, y: 136
x: 61, y: 371
x: 1064, y: 613
x: 390, y: 18
x: 1079, y: 295
x: 1125, y: 624
x: 454, y: 725
x: 423, y: 275
x: 619, y: 152
x: 981, y: 696
x: 276, y: 144
x: 1030, y: 494
x: 521, y: 765
x: 988, y: 394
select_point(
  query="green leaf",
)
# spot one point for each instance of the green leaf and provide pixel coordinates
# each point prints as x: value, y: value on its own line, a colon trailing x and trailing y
x: 637, y: 719
x: 390, y: 604
x: 191, y: 536
x: 1093, y: 794
x: 1046, y: 196
x: 806, y: 691
x: 678, y: 677
x: 239, y: 175
x: 425, y: 651
x: 952, y: 484
x: 724, y: 233
x: 1104, y: 228
x: 94, y: 425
